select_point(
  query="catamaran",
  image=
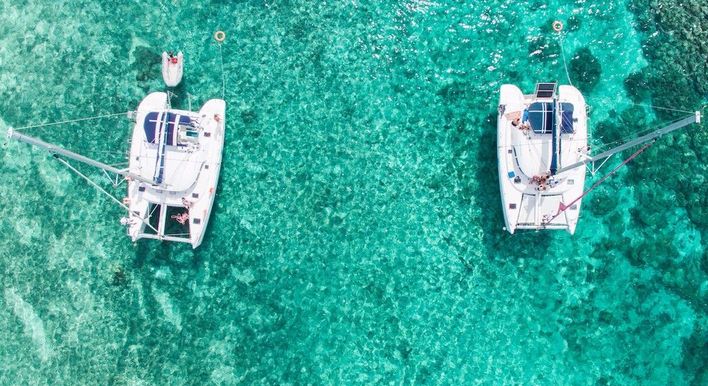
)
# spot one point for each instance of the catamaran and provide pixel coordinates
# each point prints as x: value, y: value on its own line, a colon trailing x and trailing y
x: 173, y: 170
x: 542, y: 153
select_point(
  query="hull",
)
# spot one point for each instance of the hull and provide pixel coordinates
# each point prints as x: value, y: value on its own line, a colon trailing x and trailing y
x: 532, y: 196
x: 181, y: 152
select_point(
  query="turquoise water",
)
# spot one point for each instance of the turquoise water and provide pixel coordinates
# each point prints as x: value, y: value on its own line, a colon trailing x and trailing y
x: 356, y: 236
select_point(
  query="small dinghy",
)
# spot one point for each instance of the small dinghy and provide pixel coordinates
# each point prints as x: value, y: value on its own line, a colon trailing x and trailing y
x: 172, y: 67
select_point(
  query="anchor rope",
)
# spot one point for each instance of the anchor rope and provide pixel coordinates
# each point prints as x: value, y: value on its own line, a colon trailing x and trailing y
x: 567, y: 74
x: 565, y: 64
x: 223, y: 76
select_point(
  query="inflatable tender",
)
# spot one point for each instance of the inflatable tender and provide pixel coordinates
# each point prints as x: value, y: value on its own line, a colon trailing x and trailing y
x: 172, y: 67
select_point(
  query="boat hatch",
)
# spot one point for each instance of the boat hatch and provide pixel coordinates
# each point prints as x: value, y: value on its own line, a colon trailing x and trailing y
x: 187, y: 135
x: 567, y: 118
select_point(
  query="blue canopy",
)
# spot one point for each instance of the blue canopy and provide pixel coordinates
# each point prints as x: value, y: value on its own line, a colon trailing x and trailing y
x: 541, y: 117
x: 154, y: 126
x: 567, y: 118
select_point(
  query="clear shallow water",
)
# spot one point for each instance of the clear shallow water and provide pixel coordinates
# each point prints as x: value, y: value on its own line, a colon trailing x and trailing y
x: 356, y: 236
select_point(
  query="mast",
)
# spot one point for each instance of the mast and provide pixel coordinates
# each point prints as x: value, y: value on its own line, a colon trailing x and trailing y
x: 555, y: 139
x: 53, y: 149
x: 695, y: 118
x: 160, y: 161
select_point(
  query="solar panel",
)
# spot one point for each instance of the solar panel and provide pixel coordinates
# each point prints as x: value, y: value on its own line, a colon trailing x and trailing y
x: 545, y: 90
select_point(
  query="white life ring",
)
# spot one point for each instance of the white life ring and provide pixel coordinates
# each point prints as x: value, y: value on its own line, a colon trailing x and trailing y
x: 557, y: 26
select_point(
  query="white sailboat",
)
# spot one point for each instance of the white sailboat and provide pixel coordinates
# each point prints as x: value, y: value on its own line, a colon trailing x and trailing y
x: 172, y: 68
x: 174, y: 165
x: 542, y: 152
x: 179, y: 153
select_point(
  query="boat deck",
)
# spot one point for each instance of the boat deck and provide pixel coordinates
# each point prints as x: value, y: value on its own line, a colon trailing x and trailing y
x: 528, y: 151
x: 182, y: 155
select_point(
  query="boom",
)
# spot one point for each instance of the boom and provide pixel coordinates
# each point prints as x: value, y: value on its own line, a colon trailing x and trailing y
x: 696, y: 118
x: 53, y: 149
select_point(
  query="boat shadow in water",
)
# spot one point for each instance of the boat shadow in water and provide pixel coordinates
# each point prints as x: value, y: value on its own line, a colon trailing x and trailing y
x: 154, y: 253
x: 180, y: 96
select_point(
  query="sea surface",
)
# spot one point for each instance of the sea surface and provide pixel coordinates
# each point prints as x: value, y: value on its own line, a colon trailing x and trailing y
x: 357, y: 234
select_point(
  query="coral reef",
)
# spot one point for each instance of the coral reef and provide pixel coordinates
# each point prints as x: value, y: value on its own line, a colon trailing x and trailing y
x: 585, y: 69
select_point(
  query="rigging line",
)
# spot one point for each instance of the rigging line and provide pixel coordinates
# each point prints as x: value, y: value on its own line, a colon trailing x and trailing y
x: 223, y: 76
x: 607, y: 100
x: 154, y: 208
x: 596, y: 169
x: 150, y: 158
x: 630, y: 136
x: 70, y: 121
x: 98, y: 187
x: 113, y: 152
x: 532, y: 149
x: 181, y: 163
x: 565, y: 65
x: 562, y: 207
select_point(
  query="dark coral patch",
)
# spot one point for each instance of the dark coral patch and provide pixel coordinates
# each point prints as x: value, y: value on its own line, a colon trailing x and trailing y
x: 585, y: 69
x: 574, y: 23
x: 637, y: 86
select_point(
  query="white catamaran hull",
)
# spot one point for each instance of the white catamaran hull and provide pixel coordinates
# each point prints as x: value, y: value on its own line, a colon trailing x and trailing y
x: 525, y: 156
x: 178, y: 205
